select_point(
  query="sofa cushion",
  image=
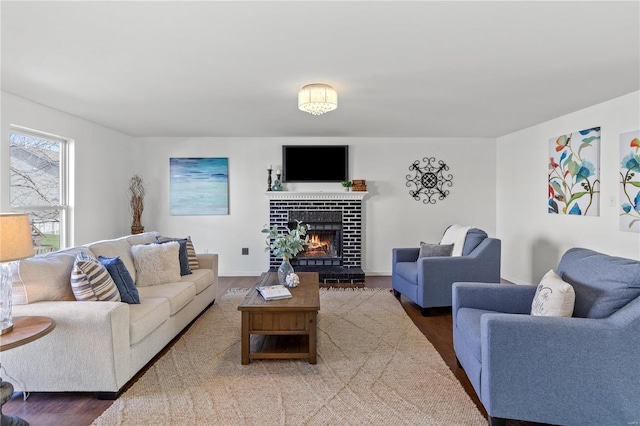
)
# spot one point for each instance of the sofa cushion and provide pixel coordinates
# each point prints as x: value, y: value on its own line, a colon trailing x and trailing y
x: 179, y: 294
x: 435, y: 250
x: 183, y: 257
x: 554, y: 297
x: 602, y: 283
x: 469, y: 326
x: 474, y: 237
x: 120, y: 275
x: 146, y: 317
x: 44, y: 277
x: 90, y: 280
x: 408, y: 271
x: 201, y: 278
x: 113, y: 248
x: 156, y: 263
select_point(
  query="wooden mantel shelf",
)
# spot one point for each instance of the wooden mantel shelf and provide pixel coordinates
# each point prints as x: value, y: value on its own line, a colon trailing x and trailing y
x: 316, y: 195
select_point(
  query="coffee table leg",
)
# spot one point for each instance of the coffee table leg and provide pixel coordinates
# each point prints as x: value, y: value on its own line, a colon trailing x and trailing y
x: 313, y: 332
x: 245, y: 338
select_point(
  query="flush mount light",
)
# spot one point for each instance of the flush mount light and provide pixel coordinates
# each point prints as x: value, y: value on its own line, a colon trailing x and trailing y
x: 317, y: 98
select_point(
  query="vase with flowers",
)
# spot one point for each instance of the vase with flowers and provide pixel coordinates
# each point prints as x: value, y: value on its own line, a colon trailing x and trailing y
x: 286, y: 245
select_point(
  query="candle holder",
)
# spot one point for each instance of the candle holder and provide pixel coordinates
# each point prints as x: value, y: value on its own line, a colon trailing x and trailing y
x: 269, y: 179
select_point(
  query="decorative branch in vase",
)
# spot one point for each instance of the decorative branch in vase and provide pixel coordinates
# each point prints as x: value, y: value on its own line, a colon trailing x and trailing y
x: 286, y: 245
x: 136, y: 203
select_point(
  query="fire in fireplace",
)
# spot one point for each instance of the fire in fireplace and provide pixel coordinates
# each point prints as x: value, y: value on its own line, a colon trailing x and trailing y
x: 325, y: 245
x: 321, y: 244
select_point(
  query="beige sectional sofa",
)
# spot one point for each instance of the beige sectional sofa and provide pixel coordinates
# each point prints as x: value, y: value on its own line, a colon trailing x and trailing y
x: 99, y: 346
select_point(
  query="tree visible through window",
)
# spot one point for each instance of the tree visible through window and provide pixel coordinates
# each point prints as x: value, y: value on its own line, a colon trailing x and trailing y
x: 37, y: 186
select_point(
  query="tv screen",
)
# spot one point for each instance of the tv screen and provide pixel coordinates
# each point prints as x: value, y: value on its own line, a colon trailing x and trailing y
x: 315, y: 163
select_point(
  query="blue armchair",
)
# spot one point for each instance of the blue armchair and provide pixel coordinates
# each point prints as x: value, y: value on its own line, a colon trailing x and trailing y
x: 582, y: 370
x: 427, y: 281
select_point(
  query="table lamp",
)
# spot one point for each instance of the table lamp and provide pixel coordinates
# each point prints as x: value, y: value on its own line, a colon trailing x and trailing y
x: 15, y: 244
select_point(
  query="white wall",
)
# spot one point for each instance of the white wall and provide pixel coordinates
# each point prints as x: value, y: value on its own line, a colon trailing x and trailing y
x: 392, y: 217
x: 532, y: 239
x: 102, y: 167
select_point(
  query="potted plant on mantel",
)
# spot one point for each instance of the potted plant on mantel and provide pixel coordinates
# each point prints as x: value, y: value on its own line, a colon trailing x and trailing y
x: 286, y: 245
x: 136, y: 203
x: 347, y: 184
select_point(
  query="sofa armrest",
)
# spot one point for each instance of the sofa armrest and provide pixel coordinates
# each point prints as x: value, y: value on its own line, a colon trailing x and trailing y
x: 88, y: 336
x: 559, y: 370
x: 208, y: 261
x: 506, y: 298
x: 404, y: 254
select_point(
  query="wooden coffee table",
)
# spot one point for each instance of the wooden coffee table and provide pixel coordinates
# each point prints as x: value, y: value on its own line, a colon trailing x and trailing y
x: 284, y: 317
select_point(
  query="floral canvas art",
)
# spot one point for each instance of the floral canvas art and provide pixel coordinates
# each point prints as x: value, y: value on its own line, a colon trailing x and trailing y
x: 630, y: 181
x: 199, y: 186
x: 574, y: 173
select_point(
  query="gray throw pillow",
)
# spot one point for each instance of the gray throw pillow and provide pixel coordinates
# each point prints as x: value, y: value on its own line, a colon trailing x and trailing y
x: 434, y: 250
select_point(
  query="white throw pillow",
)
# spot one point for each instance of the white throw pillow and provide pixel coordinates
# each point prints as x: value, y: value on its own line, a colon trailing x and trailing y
x: 554, y: 297
x: 156, y: 263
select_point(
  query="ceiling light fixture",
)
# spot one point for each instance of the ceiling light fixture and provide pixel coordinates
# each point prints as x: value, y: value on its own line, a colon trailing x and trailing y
x: 317, y: 98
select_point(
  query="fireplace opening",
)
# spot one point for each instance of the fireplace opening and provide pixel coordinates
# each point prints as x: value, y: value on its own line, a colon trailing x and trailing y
x: 321, y: 244
x: 325, y: 245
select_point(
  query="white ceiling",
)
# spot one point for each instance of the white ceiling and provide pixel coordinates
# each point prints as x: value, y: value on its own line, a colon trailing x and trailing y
x: 415, y: 69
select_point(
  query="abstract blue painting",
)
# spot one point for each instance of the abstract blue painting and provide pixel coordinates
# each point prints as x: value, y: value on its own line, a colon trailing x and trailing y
x: 199, y: 186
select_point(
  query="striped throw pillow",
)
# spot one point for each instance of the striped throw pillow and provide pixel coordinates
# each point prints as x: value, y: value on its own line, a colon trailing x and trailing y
x: 90, y: 281
x: 191, y: 251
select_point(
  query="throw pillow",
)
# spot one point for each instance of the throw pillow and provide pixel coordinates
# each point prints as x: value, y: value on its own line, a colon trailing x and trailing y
x: 191, y: 251
x: 90, y: 281
x: 183, y: 258
x: 554, y: 297
x: 435, y: 250
x: 156, y: 263
x: 121, y: 276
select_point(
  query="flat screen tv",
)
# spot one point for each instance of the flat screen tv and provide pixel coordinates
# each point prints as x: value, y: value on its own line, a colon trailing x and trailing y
x: 315, y: 163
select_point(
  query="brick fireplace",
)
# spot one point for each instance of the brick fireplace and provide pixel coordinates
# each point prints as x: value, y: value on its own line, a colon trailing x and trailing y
x: 335, y: 218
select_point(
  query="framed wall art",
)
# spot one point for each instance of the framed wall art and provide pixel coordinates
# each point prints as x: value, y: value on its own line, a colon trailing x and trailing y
x: 630, y: 181
x: 198, y: 186
x: 574, y: 173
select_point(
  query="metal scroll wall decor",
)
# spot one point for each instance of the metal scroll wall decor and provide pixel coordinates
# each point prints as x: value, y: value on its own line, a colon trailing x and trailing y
x: 429, y: 180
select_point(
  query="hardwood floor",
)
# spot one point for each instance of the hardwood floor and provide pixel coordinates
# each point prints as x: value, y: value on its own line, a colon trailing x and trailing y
x: 78, y: 409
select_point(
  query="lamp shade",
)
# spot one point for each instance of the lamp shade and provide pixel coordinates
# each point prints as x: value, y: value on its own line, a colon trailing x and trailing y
x: 317, y: 98
x: 15, y: 237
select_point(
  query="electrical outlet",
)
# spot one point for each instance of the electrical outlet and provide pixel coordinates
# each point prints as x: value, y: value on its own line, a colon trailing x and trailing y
x: 245, y: 251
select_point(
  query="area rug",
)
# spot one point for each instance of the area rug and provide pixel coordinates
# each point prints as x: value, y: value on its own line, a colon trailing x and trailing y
x: 374, y: 368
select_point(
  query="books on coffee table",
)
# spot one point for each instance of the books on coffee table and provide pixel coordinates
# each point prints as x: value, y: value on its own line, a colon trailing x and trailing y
x: 273, y: 292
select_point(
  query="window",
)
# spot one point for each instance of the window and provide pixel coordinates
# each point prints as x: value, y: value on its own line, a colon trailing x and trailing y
x: 38, y: 185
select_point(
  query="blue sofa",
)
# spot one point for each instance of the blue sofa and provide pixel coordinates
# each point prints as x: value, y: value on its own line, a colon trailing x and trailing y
x: 427, y: 281
x: 582, y: 370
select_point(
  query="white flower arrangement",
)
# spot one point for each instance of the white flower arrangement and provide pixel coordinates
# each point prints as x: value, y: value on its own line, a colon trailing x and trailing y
x: 293, y: 280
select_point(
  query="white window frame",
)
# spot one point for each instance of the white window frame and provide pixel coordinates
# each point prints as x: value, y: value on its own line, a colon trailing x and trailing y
x: 64, y: 173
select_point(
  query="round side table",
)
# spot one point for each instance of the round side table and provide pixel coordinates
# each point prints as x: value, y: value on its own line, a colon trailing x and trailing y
x: 25, y: 330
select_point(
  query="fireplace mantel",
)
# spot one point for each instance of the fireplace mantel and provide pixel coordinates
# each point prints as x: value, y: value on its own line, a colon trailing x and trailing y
x: 316, y: 195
